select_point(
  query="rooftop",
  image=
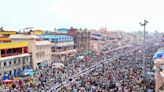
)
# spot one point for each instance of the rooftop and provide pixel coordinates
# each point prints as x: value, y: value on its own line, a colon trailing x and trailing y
x: 13, y: 45
x: 22, y: 36
x: 56, y: 38
x: 7, y: 32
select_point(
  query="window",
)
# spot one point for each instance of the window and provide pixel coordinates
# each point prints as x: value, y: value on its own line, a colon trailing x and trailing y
x: 14, y: 61
x: 27, y: 58
x: 10, y: 72
x: 23, y: 61
x: 4, y: 63
x: 19, y: 61
x: 9, y: 62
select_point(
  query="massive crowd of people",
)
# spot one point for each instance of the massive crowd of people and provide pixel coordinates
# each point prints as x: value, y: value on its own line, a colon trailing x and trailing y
x: 120, y: 75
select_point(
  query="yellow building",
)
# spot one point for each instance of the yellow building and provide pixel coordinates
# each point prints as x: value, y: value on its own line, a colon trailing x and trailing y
x: 5, y: 39
x: 7, y: 32
x: 37, y: 32
x: 13, y: 57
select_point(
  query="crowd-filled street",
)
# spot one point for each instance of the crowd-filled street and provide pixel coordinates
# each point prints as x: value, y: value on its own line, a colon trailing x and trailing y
x: 81, y: 46
x: 122, y: 74
x: 117, y: 69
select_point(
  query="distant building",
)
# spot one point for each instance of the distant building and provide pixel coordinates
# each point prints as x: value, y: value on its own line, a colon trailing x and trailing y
x: 4, y: 35
x: 81, y: 38
x: 37, y: 32
x: 40, y: 50
x: 59, y: 31
x: 96, y: 45
x: 62, y: 31
x: 98, y: 38
x: 7, y: 32
x: 14, y: 56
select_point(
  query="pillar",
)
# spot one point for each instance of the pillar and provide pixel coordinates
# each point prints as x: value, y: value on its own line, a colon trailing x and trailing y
x: 22, y: 50
x: 5, y: 51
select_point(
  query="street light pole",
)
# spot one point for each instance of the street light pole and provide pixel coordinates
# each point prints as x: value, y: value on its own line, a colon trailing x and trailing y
x: 144, y: 25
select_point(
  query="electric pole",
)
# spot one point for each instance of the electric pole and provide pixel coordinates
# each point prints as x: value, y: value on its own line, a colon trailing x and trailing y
x: 144, y: 74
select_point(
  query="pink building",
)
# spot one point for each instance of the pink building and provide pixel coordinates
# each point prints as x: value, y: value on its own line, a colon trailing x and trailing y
x: 159, y: 75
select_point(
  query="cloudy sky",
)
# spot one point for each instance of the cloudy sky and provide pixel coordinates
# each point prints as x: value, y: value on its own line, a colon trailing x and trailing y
x: 113, y: 14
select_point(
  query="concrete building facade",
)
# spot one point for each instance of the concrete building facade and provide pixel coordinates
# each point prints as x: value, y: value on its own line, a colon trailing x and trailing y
x: 62, y: 45
x: 81, y: 38
x: 14, y: 56
x: 40, y: 50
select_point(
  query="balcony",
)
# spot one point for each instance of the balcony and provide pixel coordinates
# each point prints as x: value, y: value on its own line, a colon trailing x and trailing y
x: 11, y: 54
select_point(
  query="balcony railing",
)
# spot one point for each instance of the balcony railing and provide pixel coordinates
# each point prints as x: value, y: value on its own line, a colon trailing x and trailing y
x: 12, y: 54
x: 10, y: 67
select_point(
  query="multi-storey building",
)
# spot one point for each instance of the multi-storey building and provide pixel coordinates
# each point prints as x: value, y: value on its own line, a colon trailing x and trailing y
x: 81, y: 38
x: 14, y: 56
x: 63, y: 45
x: 40, y: 50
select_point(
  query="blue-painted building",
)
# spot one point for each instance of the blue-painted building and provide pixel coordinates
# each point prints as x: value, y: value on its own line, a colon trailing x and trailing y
x: 57, y: 38
x: 62, y: 44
